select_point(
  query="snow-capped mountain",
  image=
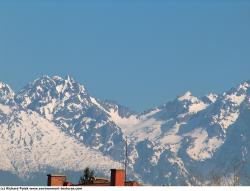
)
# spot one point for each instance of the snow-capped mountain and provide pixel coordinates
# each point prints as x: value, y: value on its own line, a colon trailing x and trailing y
x: 32, y: 144
x: 67, y: 104
x: 54, y: 122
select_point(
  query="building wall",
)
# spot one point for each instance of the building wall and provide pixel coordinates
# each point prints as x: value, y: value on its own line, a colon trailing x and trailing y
x: 117, y: 177
x: 56, y: 180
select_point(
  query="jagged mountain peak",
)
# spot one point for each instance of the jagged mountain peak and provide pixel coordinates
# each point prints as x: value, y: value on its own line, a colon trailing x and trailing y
x: 46, y: 94
x: 237, y: 94
x: 5, y: 87
x: 6, y: 94
x: 55, y: 77
x: 190, y: 103
x: 210, y: 98
x: 69, y: 78
x: 187, y: 96
x: 242, y: 88
x: 122, y: 110
x: 245, y: 84
x: 67, y: 104
x: 46, y: 80
x: 52, y: 87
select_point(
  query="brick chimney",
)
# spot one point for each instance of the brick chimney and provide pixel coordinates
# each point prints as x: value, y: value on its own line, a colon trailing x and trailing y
x: 56, y: 180
x: 117, y: 177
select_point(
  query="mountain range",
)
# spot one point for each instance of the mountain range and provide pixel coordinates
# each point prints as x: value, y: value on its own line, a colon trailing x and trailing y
x: 53, y: 124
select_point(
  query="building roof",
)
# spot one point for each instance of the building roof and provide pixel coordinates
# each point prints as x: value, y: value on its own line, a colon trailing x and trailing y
x: 59, y: 175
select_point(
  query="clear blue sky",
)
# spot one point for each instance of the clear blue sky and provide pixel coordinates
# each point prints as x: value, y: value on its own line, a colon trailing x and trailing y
x: 141, y: 54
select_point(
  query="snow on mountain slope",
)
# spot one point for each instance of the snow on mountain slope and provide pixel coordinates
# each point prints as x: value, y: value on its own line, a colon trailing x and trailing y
x: 120, y: 115
x: 202, y: 147
x: 5, y: 109
x: 189, y: 129
x: 194, y: 105
x: 66, y: 103
x: 126, y: 122
x: 30, y: 144
x: 150, y: 124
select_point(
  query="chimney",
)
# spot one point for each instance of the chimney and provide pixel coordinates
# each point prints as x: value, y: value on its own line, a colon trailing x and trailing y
x: 56, y: 180
x: 117, y: 177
